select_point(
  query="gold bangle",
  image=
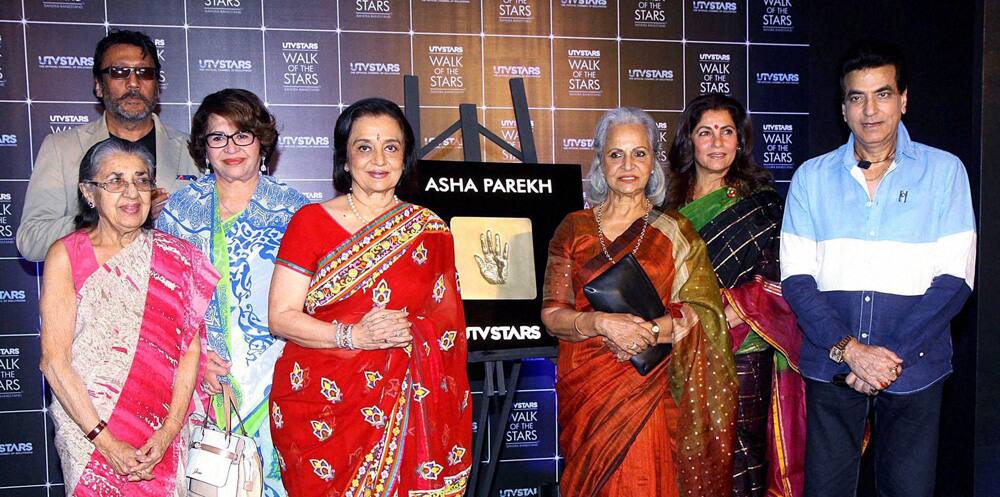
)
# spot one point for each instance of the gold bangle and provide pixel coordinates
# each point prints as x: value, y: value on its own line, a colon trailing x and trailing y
x: 576, y: 326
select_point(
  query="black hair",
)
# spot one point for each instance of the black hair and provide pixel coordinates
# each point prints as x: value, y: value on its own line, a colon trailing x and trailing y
x: 872, y: 53
x: 744, y: 175
x: 342, y: 131
x: 87, y: 216
x: 124, y: 37
x: 242, y: 108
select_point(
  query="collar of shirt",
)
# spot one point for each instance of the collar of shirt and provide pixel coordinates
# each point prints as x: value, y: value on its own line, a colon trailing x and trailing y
x: 904, y: 147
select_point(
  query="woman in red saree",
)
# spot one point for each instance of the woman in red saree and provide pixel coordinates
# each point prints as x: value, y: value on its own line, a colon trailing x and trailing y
x: 728, y: 198
x: 669, y: 433
x: 370, y: 396
x: 122, y: 314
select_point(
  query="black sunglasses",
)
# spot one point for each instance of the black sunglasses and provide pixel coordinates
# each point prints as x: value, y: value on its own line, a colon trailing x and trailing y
x: 120, y: 72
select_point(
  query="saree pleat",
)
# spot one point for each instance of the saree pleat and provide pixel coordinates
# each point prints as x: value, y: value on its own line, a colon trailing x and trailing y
x: 667, y: 433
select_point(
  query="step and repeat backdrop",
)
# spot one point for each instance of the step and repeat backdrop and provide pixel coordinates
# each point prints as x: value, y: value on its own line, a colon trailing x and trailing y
x: 309, y: 58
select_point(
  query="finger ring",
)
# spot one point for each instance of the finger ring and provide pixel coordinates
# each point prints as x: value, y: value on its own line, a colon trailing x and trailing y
x: 873, y: 391
x: 633, y: 345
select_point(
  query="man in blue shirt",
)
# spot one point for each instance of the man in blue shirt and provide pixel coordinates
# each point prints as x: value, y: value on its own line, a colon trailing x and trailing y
x: 877, y: 256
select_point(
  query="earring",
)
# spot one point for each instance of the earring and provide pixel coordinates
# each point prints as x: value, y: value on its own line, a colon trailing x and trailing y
x: 347, y: 169
x: 208, y: 164
x: 90, y: 203
x: 263, y: 168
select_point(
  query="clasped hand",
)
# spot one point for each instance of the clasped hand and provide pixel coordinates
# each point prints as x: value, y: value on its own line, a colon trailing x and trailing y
x: 382, y: 328
x: 135, y: 464
x: 873, y: 368
x: 626, y: 335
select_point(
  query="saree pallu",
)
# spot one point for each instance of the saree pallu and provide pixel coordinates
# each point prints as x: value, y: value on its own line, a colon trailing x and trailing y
x: 136, y: 315
x: 243, y: 250
x: 668, y: 433
x: 743, y: 240
x: 376, y: 423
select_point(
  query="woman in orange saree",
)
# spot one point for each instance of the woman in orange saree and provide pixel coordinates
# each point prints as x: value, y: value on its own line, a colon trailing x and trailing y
x: 370, y: 396
x: 669, y: 433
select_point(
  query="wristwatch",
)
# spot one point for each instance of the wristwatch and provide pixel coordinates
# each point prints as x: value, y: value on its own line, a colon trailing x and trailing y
x: 837, y: 351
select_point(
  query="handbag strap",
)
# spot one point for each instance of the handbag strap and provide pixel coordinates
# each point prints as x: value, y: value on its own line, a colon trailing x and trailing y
x: 229, y: 404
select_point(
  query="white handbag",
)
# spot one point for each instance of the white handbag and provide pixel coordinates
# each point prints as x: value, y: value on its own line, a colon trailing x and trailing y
x: 223, y: 463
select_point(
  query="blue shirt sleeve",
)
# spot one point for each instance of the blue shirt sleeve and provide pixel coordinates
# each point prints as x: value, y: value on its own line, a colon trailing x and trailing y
x: 820, y: 322
x: 955, y: 254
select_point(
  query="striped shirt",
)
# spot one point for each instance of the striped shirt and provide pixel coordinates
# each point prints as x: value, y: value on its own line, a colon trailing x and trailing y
x: 892, y: 271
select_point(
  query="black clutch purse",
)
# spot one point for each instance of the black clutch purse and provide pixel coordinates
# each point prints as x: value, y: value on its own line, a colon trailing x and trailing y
x: 626, y: 288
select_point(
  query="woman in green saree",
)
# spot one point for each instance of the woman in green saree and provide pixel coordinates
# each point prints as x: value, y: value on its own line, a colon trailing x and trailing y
x: 715, y: 183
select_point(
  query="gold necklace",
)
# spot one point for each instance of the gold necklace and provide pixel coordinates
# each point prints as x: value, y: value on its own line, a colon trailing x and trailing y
x: 600, y: 231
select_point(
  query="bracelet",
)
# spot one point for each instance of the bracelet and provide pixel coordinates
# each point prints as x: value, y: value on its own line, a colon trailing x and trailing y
x: 338, y: 335
x: 344, y: 338
x: 101, y: 425
x: 339, y: 339
x: 349, y: 336
x: 576, y: 326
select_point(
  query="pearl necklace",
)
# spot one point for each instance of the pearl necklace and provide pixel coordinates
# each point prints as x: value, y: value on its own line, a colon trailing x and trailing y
x: 354, y: 209
x: 600, y: 231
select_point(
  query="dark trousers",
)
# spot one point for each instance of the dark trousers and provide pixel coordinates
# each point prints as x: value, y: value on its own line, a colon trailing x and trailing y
x: 904, y: 438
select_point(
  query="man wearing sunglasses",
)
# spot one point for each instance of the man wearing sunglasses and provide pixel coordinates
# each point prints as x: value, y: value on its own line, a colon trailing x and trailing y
x: 126, y: 81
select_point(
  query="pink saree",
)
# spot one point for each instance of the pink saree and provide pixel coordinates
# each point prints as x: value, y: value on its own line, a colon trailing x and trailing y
x: 136, y: 315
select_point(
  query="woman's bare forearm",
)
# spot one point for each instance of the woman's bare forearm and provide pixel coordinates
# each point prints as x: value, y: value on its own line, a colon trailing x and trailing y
x: 569, y: 324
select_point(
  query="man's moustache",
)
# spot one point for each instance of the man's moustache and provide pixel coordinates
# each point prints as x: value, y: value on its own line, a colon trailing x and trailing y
x: 135, y: 94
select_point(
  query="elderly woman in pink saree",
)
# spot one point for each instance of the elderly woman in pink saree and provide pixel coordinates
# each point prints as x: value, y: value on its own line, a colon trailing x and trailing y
x: 122, y: 311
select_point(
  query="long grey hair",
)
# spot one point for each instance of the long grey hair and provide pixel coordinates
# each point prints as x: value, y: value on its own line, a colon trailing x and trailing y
x: 656, y: 188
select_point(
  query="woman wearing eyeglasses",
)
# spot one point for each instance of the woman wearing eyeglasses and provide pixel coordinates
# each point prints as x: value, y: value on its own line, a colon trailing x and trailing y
x: 237, y: 216
x: 122, y: 310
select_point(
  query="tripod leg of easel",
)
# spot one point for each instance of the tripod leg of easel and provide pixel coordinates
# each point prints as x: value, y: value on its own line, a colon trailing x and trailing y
x: 489, y: 390
x: 485, y: 487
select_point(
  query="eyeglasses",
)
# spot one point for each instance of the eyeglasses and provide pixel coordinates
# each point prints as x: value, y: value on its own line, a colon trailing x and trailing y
x: 119, y: 185
x: 121, y: 72
x: 220, y: 140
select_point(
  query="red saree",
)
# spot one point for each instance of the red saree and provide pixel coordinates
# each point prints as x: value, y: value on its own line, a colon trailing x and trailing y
x: 761, y: 306
x: 669, y: 433
x: 136, y: 315
x: 375, y: 423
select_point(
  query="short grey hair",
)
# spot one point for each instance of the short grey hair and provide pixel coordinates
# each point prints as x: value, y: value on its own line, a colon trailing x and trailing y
x: 102, y: 150
x: 656, y: 188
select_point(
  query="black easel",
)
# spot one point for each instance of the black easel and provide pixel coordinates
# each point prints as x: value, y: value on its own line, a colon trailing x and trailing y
x: 498, y: 387
x: 468, y: 123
